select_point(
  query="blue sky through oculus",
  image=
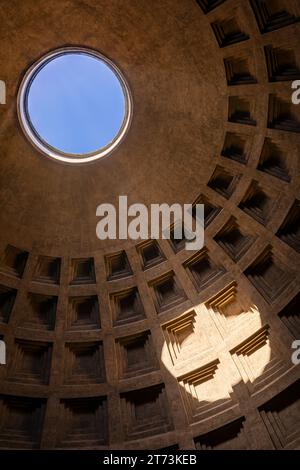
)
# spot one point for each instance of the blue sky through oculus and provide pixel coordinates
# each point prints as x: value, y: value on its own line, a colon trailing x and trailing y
x: 76, y: 103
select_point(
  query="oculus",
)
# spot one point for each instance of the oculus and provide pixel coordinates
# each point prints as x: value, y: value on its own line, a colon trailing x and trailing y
x: 74, y: 105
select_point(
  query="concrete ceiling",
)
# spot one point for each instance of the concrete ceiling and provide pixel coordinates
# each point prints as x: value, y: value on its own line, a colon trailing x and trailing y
x: 173, y: 65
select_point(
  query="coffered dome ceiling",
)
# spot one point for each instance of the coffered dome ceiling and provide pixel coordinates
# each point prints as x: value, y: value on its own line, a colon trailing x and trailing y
x: 157, y: 346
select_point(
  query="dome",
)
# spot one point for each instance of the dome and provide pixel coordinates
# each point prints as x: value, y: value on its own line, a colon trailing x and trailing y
x: 143, y: 344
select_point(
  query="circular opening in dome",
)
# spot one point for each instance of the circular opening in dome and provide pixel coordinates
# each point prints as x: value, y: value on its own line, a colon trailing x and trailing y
x: 74, y: 105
